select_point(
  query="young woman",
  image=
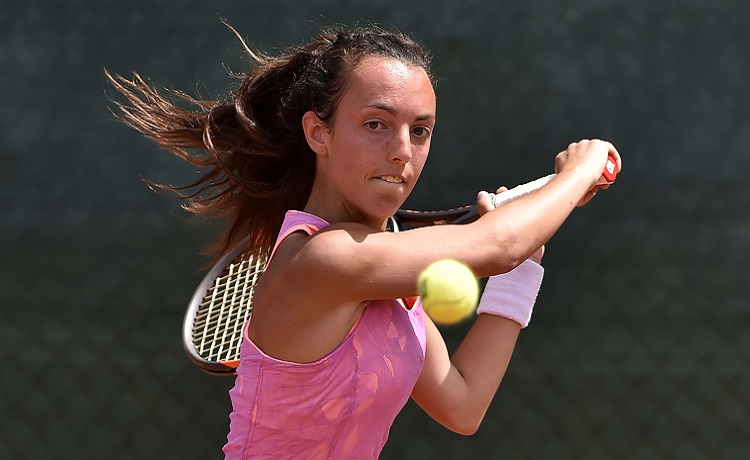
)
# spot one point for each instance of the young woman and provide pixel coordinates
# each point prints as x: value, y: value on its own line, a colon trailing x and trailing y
x: 319, y: 146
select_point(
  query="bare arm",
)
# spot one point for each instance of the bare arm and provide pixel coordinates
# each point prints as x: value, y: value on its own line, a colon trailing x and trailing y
x: 368, y: 264
x: 456, y: 391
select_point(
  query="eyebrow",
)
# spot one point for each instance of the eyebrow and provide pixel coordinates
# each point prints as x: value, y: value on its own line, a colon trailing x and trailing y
x: 392, y: 110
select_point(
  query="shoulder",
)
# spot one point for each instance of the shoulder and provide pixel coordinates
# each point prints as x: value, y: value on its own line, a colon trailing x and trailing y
x: 344, y: 240
x: 312, y: 262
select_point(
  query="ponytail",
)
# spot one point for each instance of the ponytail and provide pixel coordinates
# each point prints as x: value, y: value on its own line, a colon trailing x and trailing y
x: 253, y: 148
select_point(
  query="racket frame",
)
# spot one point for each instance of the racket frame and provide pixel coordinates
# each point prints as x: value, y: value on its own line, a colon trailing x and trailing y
x: 197, y: 305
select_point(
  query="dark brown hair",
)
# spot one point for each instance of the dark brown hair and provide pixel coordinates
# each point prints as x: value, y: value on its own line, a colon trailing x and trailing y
x: 258, y: 162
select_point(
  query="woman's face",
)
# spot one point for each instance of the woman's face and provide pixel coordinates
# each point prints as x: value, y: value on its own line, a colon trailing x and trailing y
x: 379, y: 138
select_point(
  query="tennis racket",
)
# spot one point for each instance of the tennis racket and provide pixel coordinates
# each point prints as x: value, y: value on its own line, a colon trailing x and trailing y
x: 221, y: 304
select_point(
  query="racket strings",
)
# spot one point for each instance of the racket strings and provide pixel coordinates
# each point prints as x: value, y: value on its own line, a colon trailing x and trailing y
x: 226, y: 307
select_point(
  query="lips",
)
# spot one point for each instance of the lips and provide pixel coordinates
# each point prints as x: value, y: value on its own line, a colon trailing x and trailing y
x: 392, y: 179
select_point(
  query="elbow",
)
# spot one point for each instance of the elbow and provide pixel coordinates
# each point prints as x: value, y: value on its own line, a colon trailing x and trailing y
x: 465, y: 426
x: 510, y: 254
x: 460, y: 418
x: 500, y: 250
x: 466, y: 430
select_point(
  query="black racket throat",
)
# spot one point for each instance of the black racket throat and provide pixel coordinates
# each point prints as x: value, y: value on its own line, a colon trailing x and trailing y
x: 407, y: 218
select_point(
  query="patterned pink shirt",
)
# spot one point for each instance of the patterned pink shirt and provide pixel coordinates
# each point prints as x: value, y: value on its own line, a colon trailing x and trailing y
x: 339, y: 407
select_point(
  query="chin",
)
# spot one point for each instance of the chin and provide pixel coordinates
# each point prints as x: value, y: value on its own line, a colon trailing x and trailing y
x: 379, y: 218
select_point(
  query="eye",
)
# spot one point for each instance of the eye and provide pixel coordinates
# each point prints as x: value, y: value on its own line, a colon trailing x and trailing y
x: 374, y: 124
x: 421, y: 131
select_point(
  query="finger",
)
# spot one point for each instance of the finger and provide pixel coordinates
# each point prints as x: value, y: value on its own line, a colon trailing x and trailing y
x: 588, y: 197
x: 612, y: 152
x: 484, y: 202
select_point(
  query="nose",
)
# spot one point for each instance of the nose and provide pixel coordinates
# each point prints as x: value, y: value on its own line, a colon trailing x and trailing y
x: 400, y: 148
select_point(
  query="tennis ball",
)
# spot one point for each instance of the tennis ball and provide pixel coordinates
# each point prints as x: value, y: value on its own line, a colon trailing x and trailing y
x: 449, y: 291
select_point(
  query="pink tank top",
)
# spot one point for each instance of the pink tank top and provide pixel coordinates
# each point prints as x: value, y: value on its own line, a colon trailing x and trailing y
x: 339, y: 407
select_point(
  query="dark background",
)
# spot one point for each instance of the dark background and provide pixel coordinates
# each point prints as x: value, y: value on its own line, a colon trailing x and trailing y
x: 639, y: 346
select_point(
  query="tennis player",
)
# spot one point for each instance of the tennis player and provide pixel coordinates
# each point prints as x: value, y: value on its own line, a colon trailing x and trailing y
x: 317, y: 148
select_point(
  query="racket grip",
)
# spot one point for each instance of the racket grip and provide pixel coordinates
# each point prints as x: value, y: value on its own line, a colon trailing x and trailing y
x: 610, y: 170
x: 521, y: 190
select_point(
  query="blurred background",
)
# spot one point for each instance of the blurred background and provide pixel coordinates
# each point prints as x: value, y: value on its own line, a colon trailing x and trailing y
x: 640, y: 342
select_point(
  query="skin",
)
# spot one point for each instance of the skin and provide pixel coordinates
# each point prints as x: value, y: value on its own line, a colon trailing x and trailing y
x: 368, y: 160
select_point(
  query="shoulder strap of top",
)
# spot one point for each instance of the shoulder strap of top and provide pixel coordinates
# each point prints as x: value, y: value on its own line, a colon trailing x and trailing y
x: 296, y: 221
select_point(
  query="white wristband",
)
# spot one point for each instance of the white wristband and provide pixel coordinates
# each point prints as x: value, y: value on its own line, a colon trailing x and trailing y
x: 512, y: 295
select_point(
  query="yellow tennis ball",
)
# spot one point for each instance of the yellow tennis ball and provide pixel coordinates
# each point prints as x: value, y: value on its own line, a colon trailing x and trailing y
x: 449, y: 291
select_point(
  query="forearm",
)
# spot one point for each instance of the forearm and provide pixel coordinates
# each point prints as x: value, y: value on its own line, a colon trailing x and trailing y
x: 458, y: 391
x: 482, y: 359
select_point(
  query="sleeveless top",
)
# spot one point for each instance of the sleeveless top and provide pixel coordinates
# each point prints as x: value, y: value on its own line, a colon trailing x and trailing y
x: 339, y: 407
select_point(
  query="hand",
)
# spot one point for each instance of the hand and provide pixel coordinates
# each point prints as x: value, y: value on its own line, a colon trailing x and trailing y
x: 485, y: 200
x: 591, y: 157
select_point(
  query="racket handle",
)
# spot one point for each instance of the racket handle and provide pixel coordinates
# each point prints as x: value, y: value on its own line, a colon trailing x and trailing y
x: 521, y: 190
x: 609, y: 174
x: 610, y: 170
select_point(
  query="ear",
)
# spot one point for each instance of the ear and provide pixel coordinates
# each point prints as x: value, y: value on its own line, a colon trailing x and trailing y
x: 316, y: 133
